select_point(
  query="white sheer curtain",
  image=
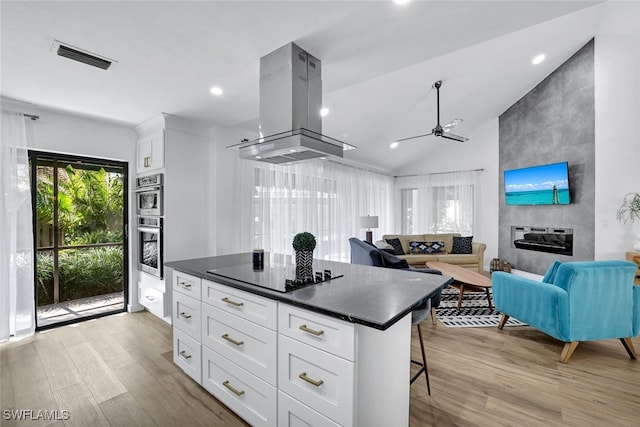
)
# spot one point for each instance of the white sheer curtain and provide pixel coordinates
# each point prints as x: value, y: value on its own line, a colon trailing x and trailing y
x: 324, y: 198
x: 16, y: 230
x: 446, y: 202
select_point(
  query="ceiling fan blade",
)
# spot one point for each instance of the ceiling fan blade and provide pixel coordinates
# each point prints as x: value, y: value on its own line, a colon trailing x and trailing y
x: 451, y: 125
x: 414, y: 137
x: 449, y: 135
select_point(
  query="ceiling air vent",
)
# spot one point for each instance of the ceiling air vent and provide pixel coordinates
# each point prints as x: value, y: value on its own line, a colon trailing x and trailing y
x: 79, y: 55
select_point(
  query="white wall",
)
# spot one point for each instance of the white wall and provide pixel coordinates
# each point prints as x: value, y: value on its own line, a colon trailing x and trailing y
x: 227, y: 191
x: 481, y: 152
x: 617, y: 130
x: 64, y: 133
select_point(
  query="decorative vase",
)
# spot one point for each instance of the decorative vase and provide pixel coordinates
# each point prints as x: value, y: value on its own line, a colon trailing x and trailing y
x: 304, y: 264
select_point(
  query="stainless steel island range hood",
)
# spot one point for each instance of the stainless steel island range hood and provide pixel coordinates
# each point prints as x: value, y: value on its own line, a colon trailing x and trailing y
x: 290, y: 102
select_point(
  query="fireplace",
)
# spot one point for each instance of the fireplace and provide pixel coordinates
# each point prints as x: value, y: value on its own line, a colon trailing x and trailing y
x: 543, y: 239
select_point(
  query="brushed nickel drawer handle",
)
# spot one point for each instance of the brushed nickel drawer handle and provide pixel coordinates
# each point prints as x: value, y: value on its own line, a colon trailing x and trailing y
x: 185, y: 315
x: 231, y: 340
x: 228, y: 301
x: 185, y: 285
x: 184, y: 354
x: 311, y: 331
x: 233, y: 389
x: 317, y: 383
x: 150, y: 298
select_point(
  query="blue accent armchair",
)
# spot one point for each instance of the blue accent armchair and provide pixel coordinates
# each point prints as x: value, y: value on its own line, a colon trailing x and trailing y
x: 576, y: 301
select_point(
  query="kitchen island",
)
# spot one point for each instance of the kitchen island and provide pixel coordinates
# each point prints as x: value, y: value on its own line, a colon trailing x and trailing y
x: 330, y: 353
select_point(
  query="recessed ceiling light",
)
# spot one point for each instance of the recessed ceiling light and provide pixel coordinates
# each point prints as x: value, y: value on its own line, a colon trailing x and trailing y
x: 216, y: 90
x: 394, y: 144
x: 324, y: 111
x: 538, y: 59
x: 401, y: 2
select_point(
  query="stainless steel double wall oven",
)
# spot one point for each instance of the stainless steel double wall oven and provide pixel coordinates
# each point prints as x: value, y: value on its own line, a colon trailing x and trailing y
x: 150, y: 210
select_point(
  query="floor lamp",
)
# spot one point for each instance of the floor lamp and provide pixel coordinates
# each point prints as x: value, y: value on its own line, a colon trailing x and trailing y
x: 369, y: 222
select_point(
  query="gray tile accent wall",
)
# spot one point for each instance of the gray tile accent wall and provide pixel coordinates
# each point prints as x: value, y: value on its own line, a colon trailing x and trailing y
x: 554, y: 122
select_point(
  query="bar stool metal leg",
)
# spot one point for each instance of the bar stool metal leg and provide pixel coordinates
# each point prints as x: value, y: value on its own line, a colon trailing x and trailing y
x: 423, y: 366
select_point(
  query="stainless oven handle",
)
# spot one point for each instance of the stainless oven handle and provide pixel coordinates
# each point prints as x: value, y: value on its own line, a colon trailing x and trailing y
x: 153, y: 188
x: 149, y: 229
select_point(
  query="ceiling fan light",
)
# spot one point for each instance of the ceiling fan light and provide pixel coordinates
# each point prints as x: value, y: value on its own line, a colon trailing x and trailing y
x: 538, y: 59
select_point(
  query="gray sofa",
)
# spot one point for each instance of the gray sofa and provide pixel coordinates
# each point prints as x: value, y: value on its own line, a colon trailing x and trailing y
x: 473, y: 261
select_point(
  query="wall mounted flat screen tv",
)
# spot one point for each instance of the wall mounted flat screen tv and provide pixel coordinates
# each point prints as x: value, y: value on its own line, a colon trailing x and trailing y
x: 538, y: 185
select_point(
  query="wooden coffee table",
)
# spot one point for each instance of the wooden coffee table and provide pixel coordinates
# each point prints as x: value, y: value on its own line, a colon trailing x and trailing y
x: 464, y: 279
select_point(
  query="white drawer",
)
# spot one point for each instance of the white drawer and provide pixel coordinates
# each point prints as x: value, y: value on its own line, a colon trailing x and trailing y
x: 153, y: 300
x: 323, y: 332
x: 254, y: 308
x: 187, y: 315
x: 250, y: 346
x: 292, y: 413
x: 187, y: 355
x: 245, y: 394
x: 187, y: 284
x: 333, y: 392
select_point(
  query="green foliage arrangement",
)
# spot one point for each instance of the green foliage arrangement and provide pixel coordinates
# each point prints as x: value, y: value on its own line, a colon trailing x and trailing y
x: 629, y: 210
x: 304, y: 241
x: 90, y: 211
x: 83, y: 273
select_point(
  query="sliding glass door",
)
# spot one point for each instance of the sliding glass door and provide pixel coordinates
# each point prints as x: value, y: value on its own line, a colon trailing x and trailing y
x: 80, y: 227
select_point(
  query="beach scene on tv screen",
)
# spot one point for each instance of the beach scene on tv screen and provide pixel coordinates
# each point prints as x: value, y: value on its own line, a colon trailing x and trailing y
x: 538, y: 185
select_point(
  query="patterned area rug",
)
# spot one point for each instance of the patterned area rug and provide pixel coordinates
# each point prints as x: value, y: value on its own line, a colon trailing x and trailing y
x: 474, y: 313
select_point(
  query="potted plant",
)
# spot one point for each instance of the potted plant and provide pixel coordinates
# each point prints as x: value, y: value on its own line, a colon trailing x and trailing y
x: 304, y: 243
x: 629, y: 211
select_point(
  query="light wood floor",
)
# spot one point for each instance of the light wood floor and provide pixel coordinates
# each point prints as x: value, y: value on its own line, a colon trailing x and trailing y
x: 117, y: 371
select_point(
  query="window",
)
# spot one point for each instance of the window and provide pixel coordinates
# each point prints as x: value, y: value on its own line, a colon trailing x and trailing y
x: 438, y: 203
x: 324, y: 198
x: 407, y: 198
x: 452, y: 209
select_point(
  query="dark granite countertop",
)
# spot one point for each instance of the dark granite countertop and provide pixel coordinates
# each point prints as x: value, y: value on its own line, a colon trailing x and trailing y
x: 372, y: 296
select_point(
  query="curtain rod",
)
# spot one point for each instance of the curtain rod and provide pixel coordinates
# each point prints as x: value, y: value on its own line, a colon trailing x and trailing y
x: 31, y: 116
x: 437, y: 173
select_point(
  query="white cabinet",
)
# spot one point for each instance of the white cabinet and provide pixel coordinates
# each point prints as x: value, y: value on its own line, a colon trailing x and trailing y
x: 244, y: 393
x: 186, y: 313
x: 248, y: 344
x: 187, y: 354
x: 292, y: 413
x: 150, y: 152
x: 181, y: 150
x: 152, y: 296
x: 276, y: 364
x: 316, y: 364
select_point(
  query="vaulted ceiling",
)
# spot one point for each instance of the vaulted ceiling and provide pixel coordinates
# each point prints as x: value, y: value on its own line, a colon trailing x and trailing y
x: 379, y: 60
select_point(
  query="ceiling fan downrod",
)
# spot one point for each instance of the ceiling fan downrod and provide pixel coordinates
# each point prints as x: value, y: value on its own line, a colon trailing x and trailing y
x: 437, y: 131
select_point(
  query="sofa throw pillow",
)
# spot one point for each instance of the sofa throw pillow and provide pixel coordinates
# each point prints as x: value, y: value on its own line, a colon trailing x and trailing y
x: 397, y: 246
x: 461, y: 245
x: 426, y: 248
x: 381, y: 244
x: 392, y: 261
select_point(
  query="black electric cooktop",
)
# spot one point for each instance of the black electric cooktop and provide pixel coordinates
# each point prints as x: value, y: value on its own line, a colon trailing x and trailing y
x: 277, y: 276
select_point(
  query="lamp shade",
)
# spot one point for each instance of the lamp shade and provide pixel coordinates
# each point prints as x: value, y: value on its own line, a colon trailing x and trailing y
x: 368, y: 222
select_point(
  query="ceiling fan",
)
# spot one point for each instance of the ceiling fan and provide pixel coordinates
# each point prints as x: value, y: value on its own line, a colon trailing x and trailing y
x: 439, y: 130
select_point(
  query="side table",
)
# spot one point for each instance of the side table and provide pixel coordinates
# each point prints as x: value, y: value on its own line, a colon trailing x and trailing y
x: 635, y: 257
